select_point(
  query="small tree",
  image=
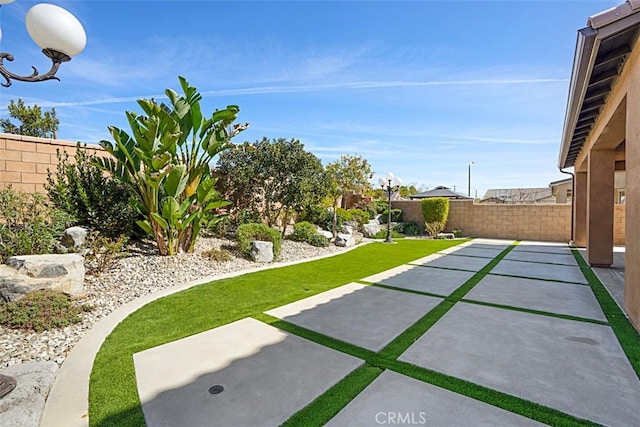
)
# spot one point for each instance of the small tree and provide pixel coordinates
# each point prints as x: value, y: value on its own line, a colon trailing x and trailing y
x: 33, y: 122
x: 435, y: 212
x: 166, y: 165
x: 349, y: 173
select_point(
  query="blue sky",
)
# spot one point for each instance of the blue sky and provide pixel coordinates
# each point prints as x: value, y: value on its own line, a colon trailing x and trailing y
x: 420, y: 88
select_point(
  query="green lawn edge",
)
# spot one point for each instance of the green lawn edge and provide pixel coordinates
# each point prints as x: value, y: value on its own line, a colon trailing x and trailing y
x: 113, y: 397
x: 628, y: 337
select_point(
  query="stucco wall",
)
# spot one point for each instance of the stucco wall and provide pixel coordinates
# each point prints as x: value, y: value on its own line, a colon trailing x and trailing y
x: 24, y: 160
x: 523, y: 222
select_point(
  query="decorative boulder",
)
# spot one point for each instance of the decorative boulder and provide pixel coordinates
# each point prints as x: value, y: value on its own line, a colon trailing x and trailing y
x: 345, y: 240
x: 325, y: 233
x: 371, y: 229
x: 74, y: 237
x: 347, y: 229
x: 262, y: 251
x: 446, y: 236
x: 26, y: 273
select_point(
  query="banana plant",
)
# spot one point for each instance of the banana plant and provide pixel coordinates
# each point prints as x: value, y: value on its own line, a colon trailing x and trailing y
x: 166, y: 163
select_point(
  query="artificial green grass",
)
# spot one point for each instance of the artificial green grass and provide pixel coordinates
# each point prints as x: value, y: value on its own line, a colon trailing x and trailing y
x: 113, y: 397
x: 627, y: 336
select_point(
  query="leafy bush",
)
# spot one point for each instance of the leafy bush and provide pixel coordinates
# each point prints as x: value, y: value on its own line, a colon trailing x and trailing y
x: 367, y: 206
x: 221, y: 227
x: 248, y: 233
x: 303, y: 232
x: 380, y: 206
x: 396, y: 216
x: 435, y: 209
x: 28, y: 225
x: 318, y: 240
x: 40, y: 311
x: 342, y: 216
x: 382, y: 234
x: 457, y: 232
x: 103, y: 252
x: 315, y: 214
x: 359, y: 216
x: 219, y: 255
x: 407, y: 228
x: 94, y: 200
x: 434, y: 228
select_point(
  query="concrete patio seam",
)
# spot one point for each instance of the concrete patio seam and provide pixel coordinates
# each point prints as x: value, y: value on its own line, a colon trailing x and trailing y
x: 539, y: 278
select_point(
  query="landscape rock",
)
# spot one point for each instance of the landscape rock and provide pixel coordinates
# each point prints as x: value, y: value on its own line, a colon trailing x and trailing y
x: 446, y: 236
x: 325, y: 233
x: 26, y: 273
x: 262, y: 251
x: 358, y: 236
x: 23, y: 407
x: 345, y: 240
x: 74, y: 237
x: 371, y: 229
x: 347, y: 229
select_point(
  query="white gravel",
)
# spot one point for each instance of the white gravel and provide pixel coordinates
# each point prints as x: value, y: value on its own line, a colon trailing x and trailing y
x: 137, y: 274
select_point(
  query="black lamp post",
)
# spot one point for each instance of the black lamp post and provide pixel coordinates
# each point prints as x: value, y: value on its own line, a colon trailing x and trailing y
x: 469, y: 182
x: 58, y: 33
x: 389, y: 184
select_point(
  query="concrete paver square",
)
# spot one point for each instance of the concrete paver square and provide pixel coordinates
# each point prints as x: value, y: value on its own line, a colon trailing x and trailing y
x: 532, y: 270
x: 454, y: 261
x: 475, y: 250
x: 559, y: 298
x: 546, y: 247
x: 492, y: 242
x: 546, y: 258
x: 366, y: 316
x: 576, y: 367
x: 424, y: 279
x: 393, y: 398
x: 267, y: 376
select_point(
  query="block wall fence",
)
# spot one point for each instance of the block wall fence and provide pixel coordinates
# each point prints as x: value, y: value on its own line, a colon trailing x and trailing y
x: 24, y: 160
x: 518, y: 222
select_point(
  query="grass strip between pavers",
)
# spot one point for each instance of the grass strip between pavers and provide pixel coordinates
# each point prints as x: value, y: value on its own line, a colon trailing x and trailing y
x: 501, y: 400
x: 113, y: 395
x: 625, y: 332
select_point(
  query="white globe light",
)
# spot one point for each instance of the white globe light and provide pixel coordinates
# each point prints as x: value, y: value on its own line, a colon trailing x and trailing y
x: 397, y: 182
x: 381, y: 181
x: 389, y: 176
x: 52, y: 27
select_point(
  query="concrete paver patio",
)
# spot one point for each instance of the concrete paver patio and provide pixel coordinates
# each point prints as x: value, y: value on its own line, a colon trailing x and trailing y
x: 576, y: 367
x: 542, y: 257
x: 483, y: 252
x: 534, y: 270
x: 559, y: 298
x: 267, y: 376
x: 363, y: 315
x: 437, y: 281
x: 396, y: 399
x: 455, y: 262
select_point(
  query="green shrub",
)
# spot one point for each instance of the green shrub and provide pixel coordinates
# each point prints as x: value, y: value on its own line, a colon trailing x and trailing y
x: 248, y: 233
x: 40, y: 311
x: 103, y: 252
x: 303, y: 232
x: 396, y: 216
x: 221, y: 227
x: 28, y: 225
x: 219, y: 255
x: 435, y: 209
x: 359, y: 216
x: 380, y: 206
x: 342, y: 216
x: 434, y: 228
x: 457, y: 232
x: 382, y: 234
x: 407, y: 228
x: 94, y: 200
x: 318, y: 240
x: 315, y: 214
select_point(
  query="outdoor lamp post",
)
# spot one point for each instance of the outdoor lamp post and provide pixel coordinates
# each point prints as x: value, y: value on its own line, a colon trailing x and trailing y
x: 56, y: 31
x: 469, y: 181
x: 389, y: 184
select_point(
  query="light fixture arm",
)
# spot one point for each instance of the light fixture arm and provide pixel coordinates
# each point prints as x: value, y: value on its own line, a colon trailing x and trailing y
x: 56, y: 57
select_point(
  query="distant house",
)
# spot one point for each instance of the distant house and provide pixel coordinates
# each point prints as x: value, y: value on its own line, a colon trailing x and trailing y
x: 562, y: 190
x: 439, y: 191
x: 519, y: 196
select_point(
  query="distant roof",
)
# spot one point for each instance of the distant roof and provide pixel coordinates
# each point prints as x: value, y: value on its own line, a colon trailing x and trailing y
x: 516, y: 195
x: 439, y: 191
x: 562, y: 181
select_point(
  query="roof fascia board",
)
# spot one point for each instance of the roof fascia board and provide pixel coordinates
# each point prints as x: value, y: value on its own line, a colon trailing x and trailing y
x: 584, y: 58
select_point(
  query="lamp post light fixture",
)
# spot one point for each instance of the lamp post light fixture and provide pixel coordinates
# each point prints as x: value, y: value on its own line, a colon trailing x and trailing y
x: 469, y: 181
x: 56, y: 31
x: 389, y: 184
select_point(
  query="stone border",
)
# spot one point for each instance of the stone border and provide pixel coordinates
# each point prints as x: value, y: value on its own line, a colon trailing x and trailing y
x: 68, y: 401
